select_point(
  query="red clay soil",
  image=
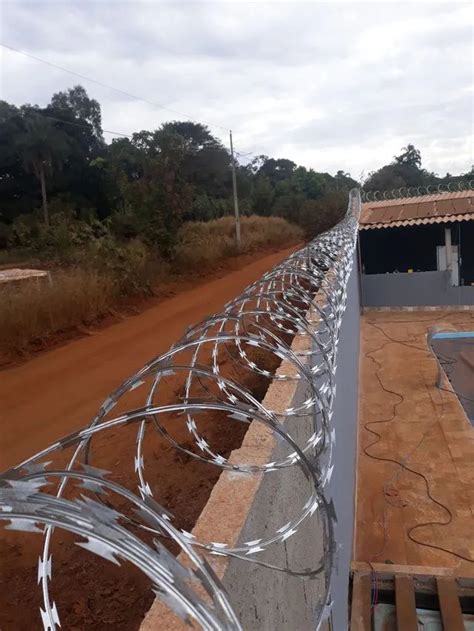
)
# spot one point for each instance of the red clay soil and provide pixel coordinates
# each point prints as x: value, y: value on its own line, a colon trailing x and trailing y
x: 132, y: 305
x: 57, y: 393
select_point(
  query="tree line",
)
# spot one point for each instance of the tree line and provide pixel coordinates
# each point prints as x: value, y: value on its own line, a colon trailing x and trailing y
x: 59, y: 179
x: 406, y: 171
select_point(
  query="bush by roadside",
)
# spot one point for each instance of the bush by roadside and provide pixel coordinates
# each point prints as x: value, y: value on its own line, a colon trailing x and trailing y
x: 31, y: 311
x: 105, y: 273
x: 202, y: 243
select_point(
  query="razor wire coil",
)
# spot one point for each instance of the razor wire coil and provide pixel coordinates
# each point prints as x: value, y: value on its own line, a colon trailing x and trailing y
x: 303, y: 296
x: 417, y: 191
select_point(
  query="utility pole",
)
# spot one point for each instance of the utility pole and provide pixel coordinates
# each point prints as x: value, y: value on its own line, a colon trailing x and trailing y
x: 236, y: 199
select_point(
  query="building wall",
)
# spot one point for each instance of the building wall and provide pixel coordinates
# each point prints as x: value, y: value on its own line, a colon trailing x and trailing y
x: 269, y: 600
x: 403, y: 248
x: 413, y: 290
x: 414, y: 247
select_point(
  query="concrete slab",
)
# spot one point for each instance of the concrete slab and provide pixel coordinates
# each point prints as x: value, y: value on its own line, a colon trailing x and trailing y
x: 416, y: 449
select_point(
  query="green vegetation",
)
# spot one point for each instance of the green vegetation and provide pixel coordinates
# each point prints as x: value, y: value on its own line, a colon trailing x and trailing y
x: 200, y: 244
x: 406, y: 171
x: 102, y: 274
x: 62, y: 185
x: 122, y: 219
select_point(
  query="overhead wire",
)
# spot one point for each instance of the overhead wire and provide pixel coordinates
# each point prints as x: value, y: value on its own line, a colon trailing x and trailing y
x: 124, y: 93
x: 107, y: 85
x: 119, y: 91
x: 74, y: 124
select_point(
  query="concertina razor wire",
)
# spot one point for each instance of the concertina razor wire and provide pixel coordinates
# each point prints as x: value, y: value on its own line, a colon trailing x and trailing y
x: 406, y: 192
x: 305, y: 295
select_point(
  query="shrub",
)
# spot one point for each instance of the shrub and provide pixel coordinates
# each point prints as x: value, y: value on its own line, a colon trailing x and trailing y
x: 202, y: 243
x: 102, y: 271
x: 31, y: 311
x: 58, y: 240
x: 127, y: 265
x: 317, y: 216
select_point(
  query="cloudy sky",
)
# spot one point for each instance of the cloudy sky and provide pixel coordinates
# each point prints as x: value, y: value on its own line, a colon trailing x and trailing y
x: 329, y: 85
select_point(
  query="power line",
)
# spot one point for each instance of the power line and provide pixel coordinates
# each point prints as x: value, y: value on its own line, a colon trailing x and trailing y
x: 110, y: 87
x: 61, y: 120
x: 105, y: 85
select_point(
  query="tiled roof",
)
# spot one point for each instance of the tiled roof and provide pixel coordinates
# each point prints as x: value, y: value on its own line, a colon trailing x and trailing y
x: 414, y: 211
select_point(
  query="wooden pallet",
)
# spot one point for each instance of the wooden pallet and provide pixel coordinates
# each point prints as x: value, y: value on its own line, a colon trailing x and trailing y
x: 449, y: 595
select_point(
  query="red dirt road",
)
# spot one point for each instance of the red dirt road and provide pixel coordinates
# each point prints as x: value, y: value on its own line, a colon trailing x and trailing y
x: 58, y: 391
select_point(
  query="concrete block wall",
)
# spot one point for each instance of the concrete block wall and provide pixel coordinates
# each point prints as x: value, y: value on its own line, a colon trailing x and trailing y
x: 417, y: 289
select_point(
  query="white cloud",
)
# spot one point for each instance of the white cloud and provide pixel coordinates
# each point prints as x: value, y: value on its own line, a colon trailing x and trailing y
x: 329, y: 85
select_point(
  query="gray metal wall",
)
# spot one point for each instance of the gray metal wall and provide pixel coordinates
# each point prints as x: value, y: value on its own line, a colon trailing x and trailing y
x: 413, y: 290
x: 267, y: 600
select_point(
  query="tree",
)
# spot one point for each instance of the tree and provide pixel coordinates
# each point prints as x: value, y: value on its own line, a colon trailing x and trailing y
x: 79, y: 117
x: 195, y: 137
x: 18, y: 189
x: 404, y: 171
x: 344, y: 181
x: 316, y: 216
x: 384, y: 179
x: 144, y: 187
x: 7, y: 111
x: 83, y: 107
x: 204, y: 160
x: 289, y: 206
x: 256, y: 164
x: 42, y: 148
x: 411, y: 157
x: 277, y: 170
x: 262, y: 196
x: 308, y: 182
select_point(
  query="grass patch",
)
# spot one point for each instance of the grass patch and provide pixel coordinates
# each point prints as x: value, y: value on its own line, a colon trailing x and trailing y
x: 32, y: 313
x: 202, y: 244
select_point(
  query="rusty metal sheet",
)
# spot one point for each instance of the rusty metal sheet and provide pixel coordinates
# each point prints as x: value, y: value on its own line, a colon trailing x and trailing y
x: 420, y: 209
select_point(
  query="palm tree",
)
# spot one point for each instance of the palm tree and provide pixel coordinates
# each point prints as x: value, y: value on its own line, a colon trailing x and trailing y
x: 43, y: 148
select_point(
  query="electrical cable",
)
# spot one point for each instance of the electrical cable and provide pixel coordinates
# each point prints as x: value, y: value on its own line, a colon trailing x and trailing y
x: 402, y: 463
x: 445, y: 359
x: 88, y: 127
x: 106, y: 85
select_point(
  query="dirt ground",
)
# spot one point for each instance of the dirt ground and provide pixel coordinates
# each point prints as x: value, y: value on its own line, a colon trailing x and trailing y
x: 58, y: 392
x: 415, y: 477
